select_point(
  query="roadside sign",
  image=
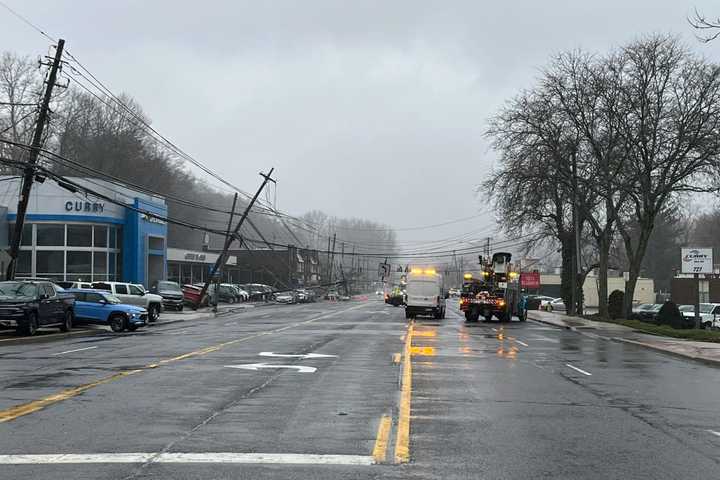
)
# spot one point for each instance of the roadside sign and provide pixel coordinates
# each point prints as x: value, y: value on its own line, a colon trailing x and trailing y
x: 696, y: 260
x: 530, y: 280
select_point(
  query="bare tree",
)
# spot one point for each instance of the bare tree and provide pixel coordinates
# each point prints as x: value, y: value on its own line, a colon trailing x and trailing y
x: 20, y: 86
x: 587, y: 89
x: 533, y: 189
x: 710, y: 28
x: 670, y: 130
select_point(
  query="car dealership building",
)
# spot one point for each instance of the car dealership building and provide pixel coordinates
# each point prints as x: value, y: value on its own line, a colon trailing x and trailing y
x: 71, y: 236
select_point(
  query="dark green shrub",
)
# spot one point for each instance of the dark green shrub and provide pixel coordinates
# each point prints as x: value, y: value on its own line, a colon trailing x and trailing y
x: 615, y: 304
x: 670, y: 315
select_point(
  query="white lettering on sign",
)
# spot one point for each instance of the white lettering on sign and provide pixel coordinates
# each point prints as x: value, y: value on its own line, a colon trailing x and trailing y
x: 195, y: 256
x: 80, y: 206
x: 302, y: 356
x: 152, y: 219
x: 257, y: 366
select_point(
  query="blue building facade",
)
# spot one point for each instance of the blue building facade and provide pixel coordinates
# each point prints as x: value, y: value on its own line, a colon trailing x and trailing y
x: 71, y: 236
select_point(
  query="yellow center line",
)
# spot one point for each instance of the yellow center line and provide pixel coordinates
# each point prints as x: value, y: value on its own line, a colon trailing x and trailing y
x: 402, y: 442
x: 381, y: 441
x: 26, y: 408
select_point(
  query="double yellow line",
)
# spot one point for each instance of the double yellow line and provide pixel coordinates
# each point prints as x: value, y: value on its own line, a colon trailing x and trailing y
x: 26, y: 408
x: 402, y: 441
x: 402, y: 438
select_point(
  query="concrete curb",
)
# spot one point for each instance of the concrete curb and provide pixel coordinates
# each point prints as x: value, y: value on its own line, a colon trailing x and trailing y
x: 552, y: 324
x: 697, y: 358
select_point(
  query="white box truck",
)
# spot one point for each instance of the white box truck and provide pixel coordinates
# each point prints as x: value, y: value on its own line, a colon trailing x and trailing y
x: 425, y: 295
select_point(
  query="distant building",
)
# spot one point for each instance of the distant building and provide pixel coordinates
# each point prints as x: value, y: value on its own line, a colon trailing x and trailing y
x: 644, y: 289
x: 281, y: 267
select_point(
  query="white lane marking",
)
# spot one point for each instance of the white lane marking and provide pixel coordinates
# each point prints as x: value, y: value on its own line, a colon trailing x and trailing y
x: 71, y: 351
x: 717, y: 434
x: 578, y: 369
x: 545, y: 339
x: 521, y: 343
x: 220, y: 457
x: 302, y: 356
x: 256, y: 366
x: 494, y: 329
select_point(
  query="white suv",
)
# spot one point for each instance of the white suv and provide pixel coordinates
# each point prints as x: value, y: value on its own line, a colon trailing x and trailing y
x: 133, y: 294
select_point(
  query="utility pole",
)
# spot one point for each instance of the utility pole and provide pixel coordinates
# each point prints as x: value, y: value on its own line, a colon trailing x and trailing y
x: 332, y: 258
x: 487, y: 247
x: 32, y: 161
x: 227, y: 236
x: 220, y: 262
x: 577, y: 304
x: 327, y: 263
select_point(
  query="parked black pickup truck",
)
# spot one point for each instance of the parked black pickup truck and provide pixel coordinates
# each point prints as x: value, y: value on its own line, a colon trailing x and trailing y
x: 29, y: 305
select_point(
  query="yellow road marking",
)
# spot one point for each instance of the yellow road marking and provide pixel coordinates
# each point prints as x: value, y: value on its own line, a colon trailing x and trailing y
x: 402, y: 442
x: 26, y: 408
x: 425, y: 333
x: 396, y: 358
x: 422, y: 351
x: 381, y: 441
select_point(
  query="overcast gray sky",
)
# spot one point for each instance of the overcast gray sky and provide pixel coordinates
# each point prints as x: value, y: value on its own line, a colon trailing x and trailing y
x: 372, y: 109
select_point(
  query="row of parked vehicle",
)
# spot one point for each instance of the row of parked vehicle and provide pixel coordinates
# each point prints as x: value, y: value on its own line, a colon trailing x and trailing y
x: 709, y: 313
x: 27, y: 305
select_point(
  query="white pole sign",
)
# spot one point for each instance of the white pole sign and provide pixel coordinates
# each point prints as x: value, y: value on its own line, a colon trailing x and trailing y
x: 697, y: 260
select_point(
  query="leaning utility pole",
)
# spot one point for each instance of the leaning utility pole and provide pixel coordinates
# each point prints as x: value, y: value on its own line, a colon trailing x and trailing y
x: 32, y: 161
x: 227, y: 235
x: 220, y: 262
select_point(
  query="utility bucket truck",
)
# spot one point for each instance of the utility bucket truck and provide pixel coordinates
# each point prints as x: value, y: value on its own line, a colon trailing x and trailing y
x: 496, y: 293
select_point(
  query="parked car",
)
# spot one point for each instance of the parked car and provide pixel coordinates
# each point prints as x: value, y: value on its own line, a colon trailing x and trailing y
x: 286, y: 297
x: 133, y: 294
x: 29, y: 305
x: 243, y: 293
x: 171, y: 293
x: 104, y: 308
x: 191, y: 296
x: 226, y: 292
x: 709, y: 314
x: 556, y: 305
x: 646, y: 312
x: 305, y: 296
x: 544, y: 301
x: 67, y: 285
x: 258, y: 291
x: 234, y: 290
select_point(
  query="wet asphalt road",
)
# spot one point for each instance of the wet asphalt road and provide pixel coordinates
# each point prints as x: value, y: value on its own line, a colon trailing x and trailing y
x: 488, y: 401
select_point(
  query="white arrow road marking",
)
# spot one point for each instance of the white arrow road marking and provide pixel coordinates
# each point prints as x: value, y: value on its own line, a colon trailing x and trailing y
x: 71, y: 351
x: 578, y: 369
x: 717, y: 434
x: 304, y: 356
x: 256, y: 366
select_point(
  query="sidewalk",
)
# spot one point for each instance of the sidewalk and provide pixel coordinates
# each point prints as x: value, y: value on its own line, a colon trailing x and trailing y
x: 171, y: 316
x: 706, y: 352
